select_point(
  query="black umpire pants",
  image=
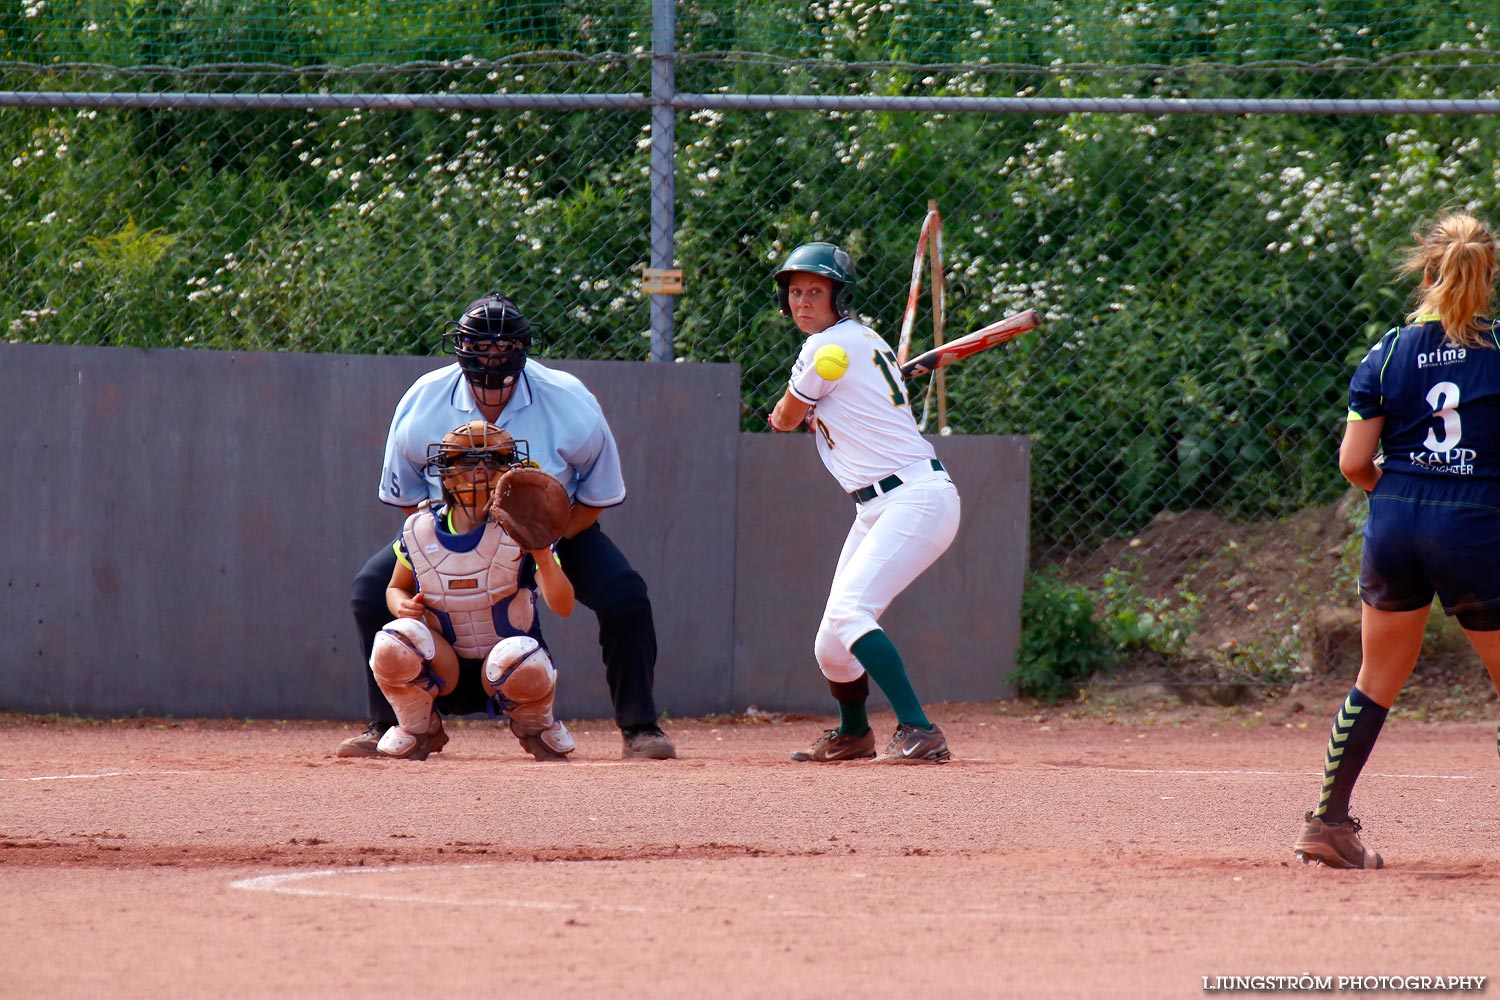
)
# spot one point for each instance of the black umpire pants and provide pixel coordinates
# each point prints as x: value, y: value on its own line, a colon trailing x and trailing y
x: 603, y: 581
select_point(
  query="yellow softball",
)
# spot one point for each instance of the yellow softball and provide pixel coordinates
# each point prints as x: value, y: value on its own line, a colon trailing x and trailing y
x: 831, y: 361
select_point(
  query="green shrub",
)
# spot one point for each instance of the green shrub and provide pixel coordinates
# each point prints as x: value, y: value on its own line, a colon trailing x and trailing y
x: 1062, y: 646
x: 1134, y: 621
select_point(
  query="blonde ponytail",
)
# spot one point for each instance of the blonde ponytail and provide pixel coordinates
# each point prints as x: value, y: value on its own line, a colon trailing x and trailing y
x: 1457, y: 263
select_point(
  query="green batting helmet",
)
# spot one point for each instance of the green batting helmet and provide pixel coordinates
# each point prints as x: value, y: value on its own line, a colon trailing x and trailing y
x: 818, y: 258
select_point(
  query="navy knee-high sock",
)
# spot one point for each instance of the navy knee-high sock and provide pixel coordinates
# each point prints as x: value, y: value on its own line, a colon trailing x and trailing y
x: 1355, y: 729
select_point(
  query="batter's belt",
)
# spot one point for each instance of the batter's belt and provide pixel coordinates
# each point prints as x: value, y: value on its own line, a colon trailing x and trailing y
x: 867, y: 493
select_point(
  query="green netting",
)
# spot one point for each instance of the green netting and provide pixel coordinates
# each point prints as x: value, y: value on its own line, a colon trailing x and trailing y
x: 300, y: 33
x: 1072, y: 32
x: 1040, y: 33
x: 1207, y: 279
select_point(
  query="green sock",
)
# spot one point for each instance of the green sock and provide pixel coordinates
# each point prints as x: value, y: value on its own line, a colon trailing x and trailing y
x: 878, y: 656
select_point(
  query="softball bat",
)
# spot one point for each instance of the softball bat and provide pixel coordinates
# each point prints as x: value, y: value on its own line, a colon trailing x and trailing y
x: 982, y: 339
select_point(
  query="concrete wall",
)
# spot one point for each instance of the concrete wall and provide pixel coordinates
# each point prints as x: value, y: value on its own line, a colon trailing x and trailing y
x: 183, y: 528
x: 957, y: 626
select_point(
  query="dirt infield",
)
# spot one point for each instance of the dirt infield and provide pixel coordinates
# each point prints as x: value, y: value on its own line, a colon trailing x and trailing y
x: 1054, y: 857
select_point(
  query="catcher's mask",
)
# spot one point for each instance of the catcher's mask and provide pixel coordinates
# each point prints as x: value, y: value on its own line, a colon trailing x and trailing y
x: 470, y: 460
x: 491, y: 341
x: 818, y: 258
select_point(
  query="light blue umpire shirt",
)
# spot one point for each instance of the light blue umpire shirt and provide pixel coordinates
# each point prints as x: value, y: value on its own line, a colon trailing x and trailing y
x: 553, y: 412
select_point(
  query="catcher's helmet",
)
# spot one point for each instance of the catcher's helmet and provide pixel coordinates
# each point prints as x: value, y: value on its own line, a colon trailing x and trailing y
x: 818, y: 258
x: 491, y: 341
x: 466, y: 449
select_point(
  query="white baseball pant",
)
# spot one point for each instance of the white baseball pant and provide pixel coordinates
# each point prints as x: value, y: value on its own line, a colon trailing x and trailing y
x: 894, y: 538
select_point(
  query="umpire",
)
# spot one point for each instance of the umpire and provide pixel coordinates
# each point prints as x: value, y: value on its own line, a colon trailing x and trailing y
x: 567, y: 435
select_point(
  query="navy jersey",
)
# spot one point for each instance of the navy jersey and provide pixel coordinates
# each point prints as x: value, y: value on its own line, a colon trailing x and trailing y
x: 1441, y: 404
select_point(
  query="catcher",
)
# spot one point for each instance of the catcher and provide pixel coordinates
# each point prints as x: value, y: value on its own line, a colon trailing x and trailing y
x: 466, y: 637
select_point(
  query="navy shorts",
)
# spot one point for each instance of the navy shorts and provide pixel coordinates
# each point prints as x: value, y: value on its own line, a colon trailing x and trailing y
x: 1418, y: 546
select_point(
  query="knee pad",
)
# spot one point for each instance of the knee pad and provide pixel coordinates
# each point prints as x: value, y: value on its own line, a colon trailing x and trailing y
x: 401, y: 661
x: 520, y: 677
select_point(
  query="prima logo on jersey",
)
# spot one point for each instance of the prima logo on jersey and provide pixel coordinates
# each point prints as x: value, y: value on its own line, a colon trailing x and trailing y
x: 1454, y: 461
x: 1441, y: 356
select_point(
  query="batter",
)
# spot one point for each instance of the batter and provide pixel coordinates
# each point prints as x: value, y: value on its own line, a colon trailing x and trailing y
x: 847, y: 388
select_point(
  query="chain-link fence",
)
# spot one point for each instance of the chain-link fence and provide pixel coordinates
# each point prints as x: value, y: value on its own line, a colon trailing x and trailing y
x: 342, y: 177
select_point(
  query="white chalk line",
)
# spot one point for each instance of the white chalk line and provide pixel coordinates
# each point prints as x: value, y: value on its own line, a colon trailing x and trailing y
x: 97, y: 774
x: 282, y: 883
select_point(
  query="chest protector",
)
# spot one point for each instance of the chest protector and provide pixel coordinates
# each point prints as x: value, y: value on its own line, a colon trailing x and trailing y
x: 464, y: 588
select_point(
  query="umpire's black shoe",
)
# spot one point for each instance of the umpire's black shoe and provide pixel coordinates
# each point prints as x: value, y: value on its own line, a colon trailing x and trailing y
x: 1336, y: 845
x: 365, y: 744
x: 915, y: 745
x: 647, y: 743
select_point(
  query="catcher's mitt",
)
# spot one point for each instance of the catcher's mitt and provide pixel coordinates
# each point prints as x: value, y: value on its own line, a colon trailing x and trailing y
x: 531, y: 506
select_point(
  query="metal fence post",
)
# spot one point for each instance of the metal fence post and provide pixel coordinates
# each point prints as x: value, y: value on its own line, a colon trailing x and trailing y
x: 663, y: 195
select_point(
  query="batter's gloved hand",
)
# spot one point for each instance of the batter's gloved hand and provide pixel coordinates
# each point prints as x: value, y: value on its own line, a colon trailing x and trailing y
x: 531, y: 506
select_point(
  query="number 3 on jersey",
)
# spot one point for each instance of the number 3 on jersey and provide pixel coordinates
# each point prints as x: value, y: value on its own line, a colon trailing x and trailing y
x: 886, y: 362
x: 1443, y: 398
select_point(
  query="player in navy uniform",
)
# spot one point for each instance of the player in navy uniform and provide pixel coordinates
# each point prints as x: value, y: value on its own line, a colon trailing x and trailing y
x: 495, y: 379
x: 1427, y: 397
